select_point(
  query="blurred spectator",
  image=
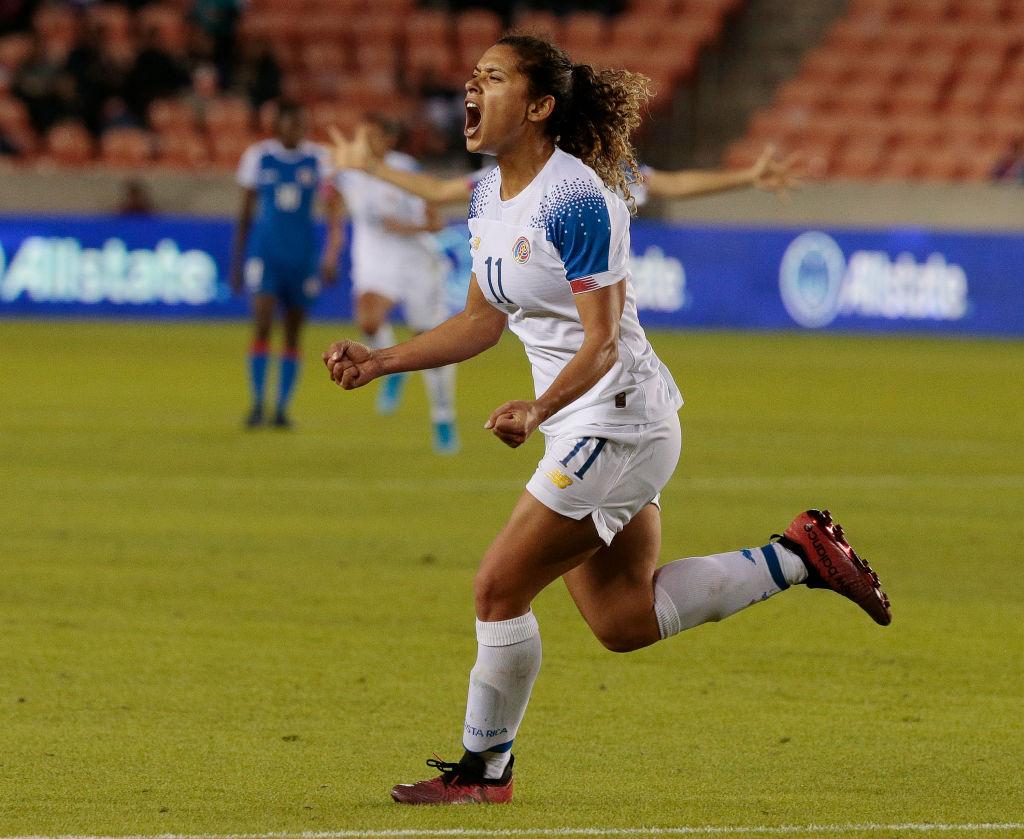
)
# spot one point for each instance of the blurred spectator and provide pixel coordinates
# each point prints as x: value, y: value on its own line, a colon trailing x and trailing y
x: 15, y: 15
x: 8, y: 145
x: 135, y: 199
x: 1010, y: 167
x: 259, y: 74
x: 205, y: 89
x: 157, y: 73
x: 217, y: 19
x: 101, y: 69
x: 45, y: 86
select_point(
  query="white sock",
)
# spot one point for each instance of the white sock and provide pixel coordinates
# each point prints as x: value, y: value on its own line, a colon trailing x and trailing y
x: 507, y: 663
x: 440, y: 384
x: 689, y: 592
x: 383, y: 337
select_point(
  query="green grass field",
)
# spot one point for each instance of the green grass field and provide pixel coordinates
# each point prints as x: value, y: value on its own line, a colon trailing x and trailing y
x: 208, y: 631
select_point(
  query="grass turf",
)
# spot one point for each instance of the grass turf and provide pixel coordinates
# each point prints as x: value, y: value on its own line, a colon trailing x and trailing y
x: 208, y: 630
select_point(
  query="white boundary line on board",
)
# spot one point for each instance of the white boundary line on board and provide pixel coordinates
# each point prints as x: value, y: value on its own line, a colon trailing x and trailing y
x: 710, y: 830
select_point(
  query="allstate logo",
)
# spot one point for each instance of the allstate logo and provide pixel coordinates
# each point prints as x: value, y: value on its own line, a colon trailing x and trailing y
x: 521, y: 250
x: 811, y: 279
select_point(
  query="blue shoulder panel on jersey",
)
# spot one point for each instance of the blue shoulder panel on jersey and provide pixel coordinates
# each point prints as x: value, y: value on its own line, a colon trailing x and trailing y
x: 576, y: 220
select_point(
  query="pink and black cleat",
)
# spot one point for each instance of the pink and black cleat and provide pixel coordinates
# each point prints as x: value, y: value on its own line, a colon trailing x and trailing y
x: 458, y: 783
x: 832, y: 563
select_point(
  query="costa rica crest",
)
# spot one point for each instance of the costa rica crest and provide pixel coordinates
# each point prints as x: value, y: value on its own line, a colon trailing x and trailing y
x: 521, y: 250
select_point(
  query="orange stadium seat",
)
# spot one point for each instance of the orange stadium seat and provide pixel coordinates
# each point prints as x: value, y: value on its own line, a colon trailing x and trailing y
x: 69, y: 144
x: 479, y: 27
x: 656, y: 8
x: 228, y: 113
x: 827, y: 65
x: 635, y: 31
x: 862, y: 97
x: 126, y: 147
x: 699, y: 31
x: 1007, y: 100
x: 13, y: 114
x: 428, y: 60
x: 944, y: 35
x: 171, y: 115
x: 429, y: 26
x: 923, y: 11
x: 540, y: 23
x: 854, y: 36
x: 858, y: 160
x: 916, y: 97
x: 57, y: 26
x: 325, y: 115
x: 871, y: 9
x: 14, y: 51
x: 980, y: 11
x: 111, y: 20
x: 809, y: 93
x: 916, y: 130
x: 882, y: 68
x: 167, y: 21
x: 585, y: 31
x: 901, y: 164
x: 968, y: 96
x: 930, y: 67
x: 183, y: 149
x: 981, y: 67
x: 227, y: 147
x: 384, y: 31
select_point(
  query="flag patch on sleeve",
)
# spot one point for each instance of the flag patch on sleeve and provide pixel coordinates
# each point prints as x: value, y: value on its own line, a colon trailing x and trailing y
x: 582, y: 284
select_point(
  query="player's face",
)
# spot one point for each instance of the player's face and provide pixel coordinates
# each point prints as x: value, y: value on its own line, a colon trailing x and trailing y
x: 290, y: 129
x: 497, y: 101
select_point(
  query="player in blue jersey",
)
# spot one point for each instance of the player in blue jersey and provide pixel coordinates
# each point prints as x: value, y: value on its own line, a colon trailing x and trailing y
x: 275, y: 249
x: 549, y: 237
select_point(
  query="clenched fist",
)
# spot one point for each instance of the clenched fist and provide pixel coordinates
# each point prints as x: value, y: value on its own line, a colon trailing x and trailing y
x: 513, y: 422
x: 351, y: 364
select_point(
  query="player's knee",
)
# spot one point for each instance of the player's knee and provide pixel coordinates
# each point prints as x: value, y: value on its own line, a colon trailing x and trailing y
x: 368, y: 323
x: 495, y: 597
x: 618, y: 639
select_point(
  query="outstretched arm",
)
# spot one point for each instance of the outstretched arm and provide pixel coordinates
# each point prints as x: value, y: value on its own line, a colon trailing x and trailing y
x: 356, y: 154
x: 769, y: 173
x: 476, y: 328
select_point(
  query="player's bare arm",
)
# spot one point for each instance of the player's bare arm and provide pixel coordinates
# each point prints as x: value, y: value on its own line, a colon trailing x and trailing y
x: 600, y: 311
x: 355, y: 153
x: 333, y: 214
x: 242, y: 229
x: 769, y: 173
x: 476, y: 328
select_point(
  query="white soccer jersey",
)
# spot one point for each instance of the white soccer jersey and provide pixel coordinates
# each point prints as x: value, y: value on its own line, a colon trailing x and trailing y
x: 567, y: 234
x: 376, y: 253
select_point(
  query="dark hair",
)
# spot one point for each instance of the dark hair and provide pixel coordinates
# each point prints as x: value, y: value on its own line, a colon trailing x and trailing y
x: 596, y: 111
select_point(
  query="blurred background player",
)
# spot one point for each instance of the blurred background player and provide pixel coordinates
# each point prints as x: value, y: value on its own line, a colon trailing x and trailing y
x: 280, y: 180
x: 395, y: 261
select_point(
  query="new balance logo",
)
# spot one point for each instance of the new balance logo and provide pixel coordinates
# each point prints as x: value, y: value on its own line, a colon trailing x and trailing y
x: 559, y: 478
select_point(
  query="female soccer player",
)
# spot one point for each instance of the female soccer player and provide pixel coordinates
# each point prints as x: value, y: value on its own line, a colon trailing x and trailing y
x: 392, y: 263
x: 280, y: 179
x: 550, y: 244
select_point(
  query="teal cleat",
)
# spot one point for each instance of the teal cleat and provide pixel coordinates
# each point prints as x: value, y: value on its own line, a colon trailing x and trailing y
x: 390, y: 394
x: 446, y: 438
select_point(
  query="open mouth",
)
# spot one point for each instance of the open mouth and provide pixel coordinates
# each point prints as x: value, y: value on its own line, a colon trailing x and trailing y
x: 473, y: 117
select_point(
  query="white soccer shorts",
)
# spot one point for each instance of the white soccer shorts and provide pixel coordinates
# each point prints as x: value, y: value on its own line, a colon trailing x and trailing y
x: 610, y: 475
x: 419, y: 288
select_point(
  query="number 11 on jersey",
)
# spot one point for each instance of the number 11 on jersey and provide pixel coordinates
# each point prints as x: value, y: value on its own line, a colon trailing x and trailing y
x: 499, y: 295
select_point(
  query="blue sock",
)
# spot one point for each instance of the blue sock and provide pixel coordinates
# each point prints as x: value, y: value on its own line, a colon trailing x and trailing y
x: 286, y: 384
x: 257, y: 371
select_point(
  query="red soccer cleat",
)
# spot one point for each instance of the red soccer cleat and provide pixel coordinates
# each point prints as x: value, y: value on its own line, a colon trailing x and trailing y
x: 832, y: 563
x: 458, y: 783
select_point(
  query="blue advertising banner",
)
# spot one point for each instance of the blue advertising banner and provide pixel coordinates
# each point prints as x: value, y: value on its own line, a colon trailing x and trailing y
x: 891, y: 280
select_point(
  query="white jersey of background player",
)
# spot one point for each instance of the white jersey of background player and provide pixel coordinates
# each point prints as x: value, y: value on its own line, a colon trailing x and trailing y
x: 395, y: 262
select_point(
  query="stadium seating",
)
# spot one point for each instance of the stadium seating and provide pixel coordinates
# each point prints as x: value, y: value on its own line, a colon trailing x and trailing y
x: 341, y: 57
x: 928, y: 89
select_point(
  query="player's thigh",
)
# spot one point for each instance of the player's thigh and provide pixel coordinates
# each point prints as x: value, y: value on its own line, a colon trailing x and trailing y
x: 372, y: 309
x: 423, y: 303
x: 535, y: 547
x: 613, y: 588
